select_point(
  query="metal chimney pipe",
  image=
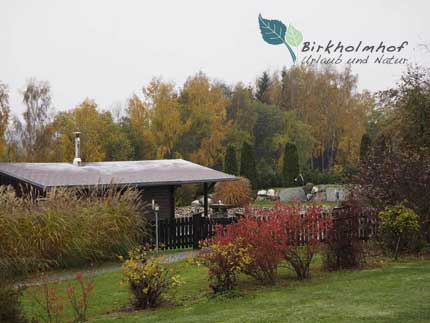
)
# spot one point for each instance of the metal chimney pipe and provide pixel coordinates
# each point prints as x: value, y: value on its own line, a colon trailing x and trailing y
x: 77, y: 161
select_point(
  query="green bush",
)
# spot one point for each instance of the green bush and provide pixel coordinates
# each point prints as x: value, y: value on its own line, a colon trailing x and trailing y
x: 267, y: 176
x: 317, y: 177
x: 68, y: 228
x: 399, y: 228
x: 335, y: 175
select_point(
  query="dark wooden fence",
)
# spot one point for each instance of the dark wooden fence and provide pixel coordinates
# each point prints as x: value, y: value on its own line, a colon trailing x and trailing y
x: 187, y: 232
x: 355, y: 223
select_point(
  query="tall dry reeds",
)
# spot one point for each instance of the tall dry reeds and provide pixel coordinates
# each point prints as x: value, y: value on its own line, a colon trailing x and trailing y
x: 69, y: 227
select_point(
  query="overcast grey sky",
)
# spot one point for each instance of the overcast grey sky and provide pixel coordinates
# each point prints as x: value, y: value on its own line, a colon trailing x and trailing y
x: 106, y: 50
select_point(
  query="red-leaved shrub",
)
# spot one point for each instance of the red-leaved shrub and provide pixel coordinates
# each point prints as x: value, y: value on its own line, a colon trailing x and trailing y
x: 263, y: 240
x: 266, y: 237
x: 302, y: 231
x: 258, y: 238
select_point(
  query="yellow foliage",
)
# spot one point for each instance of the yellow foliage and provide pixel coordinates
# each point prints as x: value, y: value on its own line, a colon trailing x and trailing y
x: 147, y: 277
x: 94, y: 127
x: 204, y: 110
x: 224, y: 262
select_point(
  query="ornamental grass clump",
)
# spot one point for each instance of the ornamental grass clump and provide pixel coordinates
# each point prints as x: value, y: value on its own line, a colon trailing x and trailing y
x: 148, y: 278
x: 68, y: 228
x: 237, y: 193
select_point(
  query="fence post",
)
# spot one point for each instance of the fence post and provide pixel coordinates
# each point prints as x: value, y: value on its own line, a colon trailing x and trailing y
x: 197, y: 221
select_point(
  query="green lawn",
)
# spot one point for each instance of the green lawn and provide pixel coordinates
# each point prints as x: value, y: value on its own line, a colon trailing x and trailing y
x: 395, y: 292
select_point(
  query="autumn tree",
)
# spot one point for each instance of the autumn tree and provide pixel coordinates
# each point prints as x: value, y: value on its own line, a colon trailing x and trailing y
x: 35, y: 133
x: 166, y: 126
x: 96, y: 132
x: 328, y: 102
x: 4, y: 117
x: 353, y: 125
x: 203, y: 112
x: 136, y: 125
x: 117, y: 145
x: 242, y: 114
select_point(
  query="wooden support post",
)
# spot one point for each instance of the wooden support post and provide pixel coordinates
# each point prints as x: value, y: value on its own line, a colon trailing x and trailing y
x: 205, y: 199
x: 172, y: 192
x: 196, y: 223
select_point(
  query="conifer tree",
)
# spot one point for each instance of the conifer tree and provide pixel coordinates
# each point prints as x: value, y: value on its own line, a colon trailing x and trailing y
x: 230, y: 161
x: 290, y: 167
x: 263, y: 85
x: 247, y: 164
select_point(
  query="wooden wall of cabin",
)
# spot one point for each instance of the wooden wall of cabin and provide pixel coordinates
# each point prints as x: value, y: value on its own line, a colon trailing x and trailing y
x: 164, y: 196
x: 21, y: 187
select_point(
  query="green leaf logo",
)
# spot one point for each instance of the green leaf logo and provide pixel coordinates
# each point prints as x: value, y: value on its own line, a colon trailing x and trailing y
x: 275, y: 32
x: 293, y: 36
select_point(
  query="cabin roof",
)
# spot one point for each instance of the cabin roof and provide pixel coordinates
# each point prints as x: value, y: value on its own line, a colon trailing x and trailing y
x: 138, y: 173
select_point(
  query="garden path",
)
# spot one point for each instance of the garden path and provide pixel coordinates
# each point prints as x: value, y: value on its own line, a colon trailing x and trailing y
x: 68, y: 275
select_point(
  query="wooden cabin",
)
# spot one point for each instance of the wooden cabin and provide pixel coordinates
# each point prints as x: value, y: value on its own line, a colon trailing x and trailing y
x: 157, y: 178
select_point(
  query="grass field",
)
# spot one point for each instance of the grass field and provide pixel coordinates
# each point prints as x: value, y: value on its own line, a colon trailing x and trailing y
x: 393, y: 292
